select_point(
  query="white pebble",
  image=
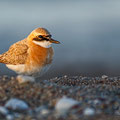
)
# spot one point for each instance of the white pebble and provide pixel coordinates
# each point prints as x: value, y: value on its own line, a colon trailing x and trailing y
x: 45, y: 112
x: 65, y: 76
x: 104, y: 76
x: 64, y: 104
x: 89, y: 111
x: 10, y: 117
x: 96, y: 102
x: 24, y: 79
x: 16, y: 104
x: 3, y: 110
x: 117, y: 112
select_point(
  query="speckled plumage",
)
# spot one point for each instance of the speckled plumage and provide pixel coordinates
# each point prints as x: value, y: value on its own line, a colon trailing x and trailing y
x: 17, y: 53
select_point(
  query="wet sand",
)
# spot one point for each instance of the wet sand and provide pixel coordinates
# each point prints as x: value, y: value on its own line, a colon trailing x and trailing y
x: 101, y: 94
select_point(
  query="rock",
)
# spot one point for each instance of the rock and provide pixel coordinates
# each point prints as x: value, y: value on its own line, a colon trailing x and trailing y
x: 65, y: 76
x: 16, y: 104
x: 43, y: 110
x: 3, y: 110
x: 24, y: 79
x: 117, y: 112
x: 104, y: 76
x: 10, y: 117
x: 64, y: 104
x: 96, y: 102
x: 89, y: 111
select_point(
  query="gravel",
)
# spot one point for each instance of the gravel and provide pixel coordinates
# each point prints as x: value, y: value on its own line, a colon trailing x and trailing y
x: 98, y: 98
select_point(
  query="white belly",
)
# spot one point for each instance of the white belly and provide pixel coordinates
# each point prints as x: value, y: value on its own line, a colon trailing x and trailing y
x: 17, y: 68
x: 34, y: 71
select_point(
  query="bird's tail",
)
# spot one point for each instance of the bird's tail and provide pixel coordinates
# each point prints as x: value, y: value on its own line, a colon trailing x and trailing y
x: 1, y: 59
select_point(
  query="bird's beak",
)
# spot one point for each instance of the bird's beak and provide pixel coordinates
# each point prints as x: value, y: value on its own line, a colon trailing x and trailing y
x: 54, y: 41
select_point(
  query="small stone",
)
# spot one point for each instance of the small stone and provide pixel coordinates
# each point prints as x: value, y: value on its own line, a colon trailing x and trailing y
x: 89, y: 111
x: 25, y: 79
x: 65, y: 76
x: 64, y: 104
x: 10, y: 117
x: 43, y: 110
x: 96, y: 102
x: 104, y: 76
x: 16, y: 104
x: 12, y: 78
x: 3, y: 110
x: 117, y: 112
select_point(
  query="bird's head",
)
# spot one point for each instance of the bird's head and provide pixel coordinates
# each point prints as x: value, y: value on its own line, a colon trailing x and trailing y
x: 42, y: 37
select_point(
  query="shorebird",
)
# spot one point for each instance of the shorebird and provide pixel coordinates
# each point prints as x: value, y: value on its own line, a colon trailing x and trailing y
x: 30, y: 57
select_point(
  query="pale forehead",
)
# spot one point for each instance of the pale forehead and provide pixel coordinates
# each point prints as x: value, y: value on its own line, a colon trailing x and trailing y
x: 41, y: 31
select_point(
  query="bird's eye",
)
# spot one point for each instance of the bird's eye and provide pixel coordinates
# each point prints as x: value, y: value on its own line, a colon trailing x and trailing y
x: 40, y: 36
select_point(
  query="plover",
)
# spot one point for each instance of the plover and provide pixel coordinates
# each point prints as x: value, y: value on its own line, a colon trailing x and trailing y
x: 31, y: 57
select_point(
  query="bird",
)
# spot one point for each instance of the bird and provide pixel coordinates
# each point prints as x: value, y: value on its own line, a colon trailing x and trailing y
x: 31, y: 57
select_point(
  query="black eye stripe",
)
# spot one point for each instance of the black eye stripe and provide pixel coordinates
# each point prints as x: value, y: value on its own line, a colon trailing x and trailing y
x: 42, y: 38
x: 36, y: 39
x: 46, y: 39
x: 49, y: 36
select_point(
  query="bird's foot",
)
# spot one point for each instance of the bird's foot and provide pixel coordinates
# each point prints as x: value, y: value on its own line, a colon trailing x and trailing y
x: 24, y: 79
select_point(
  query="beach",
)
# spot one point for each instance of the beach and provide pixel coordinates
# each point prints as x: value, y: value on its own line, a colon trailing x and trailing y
x: 95, y: 98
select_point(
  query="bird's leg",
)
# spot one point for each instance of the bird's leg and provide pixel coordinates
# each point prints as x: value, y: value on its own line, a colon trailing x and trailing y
x: 24, y: 79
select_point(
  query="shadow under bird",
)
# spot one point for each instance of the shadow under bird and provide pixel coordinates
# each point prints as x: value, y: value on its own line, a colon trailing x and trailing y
x: 31, y: 57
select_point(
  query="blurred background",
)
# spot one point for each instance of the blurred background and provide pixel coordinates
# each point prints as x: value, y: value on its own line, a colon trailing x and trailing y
x: 89, y: 32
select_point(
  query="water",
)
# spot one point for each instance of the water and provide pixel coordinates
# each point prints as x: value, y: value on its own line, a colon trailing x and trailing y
x: 89, y: 32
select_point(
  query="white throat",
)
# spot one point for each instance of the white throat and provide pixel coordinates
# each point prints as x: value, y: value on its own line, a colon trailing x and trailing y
x: 45, y: 44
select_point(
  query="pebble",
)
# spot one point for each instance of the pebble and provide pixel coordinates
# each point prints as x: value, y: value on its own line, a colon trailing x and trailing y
x: 3, y: 110
x: 117, y: 112
x: 16, y: 104
x: 64, y: 104
x: 24, y: 79
x: 96, y: 102
x: 10, y: 117
x: 89, y: 111
x: 96, y: 97
x: 43, y: 110
x: 104, y: 76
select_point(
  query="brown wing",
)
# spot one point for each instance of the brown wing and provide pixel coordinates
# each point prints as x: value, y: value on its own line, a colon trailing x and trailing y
x: 17, y: 53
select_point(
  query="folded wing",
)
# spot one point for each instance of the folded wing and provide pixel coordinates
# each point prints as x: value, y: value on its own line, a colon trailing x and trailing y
x: 17, y: 54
